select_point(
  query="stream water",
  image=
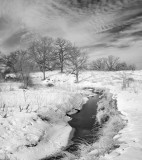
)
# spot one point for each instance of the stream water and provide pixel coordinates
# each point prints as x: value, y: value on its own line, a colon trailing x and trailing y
x: 84, y: 126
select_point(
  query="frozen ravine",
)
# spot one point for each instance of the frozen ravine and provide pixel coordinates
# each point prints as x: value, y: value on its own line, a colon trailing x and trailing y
x: 130, y: 105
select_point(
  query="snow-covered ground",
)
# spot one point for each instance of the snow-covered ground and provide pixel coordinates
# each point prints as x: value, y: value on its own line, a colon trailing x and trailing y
x: 131, y: 136
x: 24, y: 135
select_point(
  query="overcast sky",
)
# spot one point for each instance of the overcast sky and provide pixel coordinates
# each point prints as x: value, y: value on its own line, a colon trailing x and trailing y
x: 114, y: 29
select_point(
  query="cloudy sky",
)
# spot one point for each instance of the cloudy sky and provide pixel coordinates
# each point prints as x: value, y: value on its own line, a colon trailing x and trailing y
x: 113, y: 27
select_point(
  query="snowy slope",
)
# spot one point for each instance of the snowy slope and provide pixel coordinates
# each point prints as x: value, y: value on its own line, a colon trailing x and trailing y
x: 25, y: 136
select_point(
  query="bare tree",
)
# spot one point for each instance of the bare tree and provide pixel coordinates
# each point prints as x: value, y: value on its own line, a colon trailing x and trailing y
x: 121, y: 66
x: 98, y: 64
x: 77, y: 61
x: 111, y: 63
x: 10, y: 62
x: 17, y: 62
x: 61, y: 51
x: 132, y: 67
x: 41, y: 52
x: 24, y: 67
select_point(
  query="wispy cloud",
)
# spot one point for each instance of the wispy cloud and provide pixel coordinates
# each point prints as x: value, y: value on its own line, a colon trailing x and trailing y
x: 48, y: 17
x: 112, y: 26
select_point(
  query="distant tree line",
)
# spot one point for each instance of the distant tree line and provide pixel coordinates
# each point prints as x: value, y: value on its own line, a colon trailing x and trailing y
x: 94, y: 3
x: 111, y: 63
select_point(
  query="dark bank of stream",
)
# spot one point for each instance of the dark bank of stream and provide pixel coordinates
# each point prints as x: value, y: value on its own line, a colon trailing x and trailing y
x: 84, y: 126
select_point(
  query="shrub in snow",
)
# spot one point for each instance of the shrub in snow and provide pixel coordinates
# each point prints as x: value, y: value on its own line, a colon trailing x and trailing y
x: 3, y: 111
x: 126, y: 80
x: 27, y: 81
x: 50, y: 85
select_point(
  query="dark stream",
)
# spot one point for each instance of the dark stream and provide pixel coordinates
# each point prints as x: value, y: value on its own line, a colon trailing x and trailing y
x: 84, y: 126
x: 84, y: 121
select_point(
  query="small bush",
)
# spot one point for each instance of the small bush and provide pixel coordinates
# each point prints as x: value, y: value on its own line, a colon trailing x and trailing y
x: 50, y: 85
x: 26, y: 82
x: 126, y: 80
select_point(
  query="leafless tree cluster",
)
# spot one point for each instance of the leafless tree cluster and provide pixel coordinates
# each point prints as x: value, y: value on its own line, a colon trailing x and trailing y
x: 60, y: 53
x: 111, y: 63
x: 47, y: 54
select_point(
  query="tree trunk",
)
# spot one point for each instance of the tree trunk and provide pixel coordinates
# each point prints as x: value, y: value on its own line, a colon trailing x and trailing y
x: 77, y: 80
x: 44, y: 73
x: 62, y: 63
x: 61, y: 68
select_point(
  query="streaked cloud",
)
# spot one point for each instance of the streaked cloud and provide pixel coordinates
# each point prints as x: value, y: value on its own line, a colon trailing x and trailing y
x: 113, y: 26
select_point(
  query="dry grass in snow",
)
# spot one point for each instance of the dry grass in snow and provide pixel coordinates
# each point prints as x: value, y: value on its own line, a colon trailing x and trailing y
x: 32, y: 120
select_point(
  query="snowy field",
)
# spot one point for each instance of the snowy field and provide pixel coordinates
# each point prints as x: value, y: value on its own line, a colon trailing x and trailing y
x: 33, y: 123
